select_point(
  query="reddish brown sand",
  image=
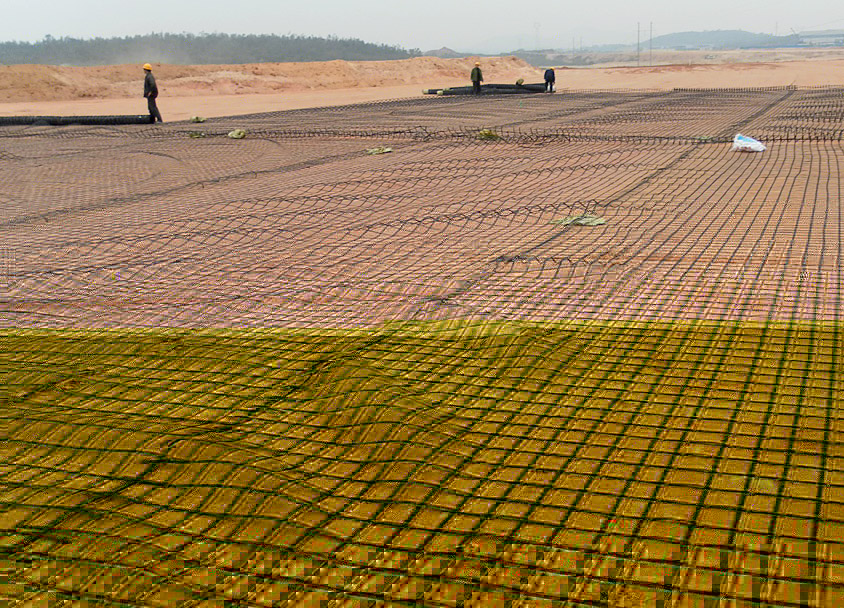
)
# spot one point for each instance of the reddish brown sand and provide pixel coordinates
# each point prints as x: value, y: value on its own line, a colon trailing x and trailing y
x: 219, y: 90
x: 212, y: 105
x: 53, y: 83
x: 225, y: 90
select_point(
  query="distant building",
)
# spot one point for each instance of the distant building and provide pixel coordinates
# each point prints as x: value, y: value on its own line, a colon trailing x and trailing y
x: 822, y: 38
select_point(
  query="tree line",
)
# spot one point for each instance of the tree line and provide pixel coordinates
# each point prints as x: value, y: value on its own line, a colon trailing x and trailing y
x: 197, y: 49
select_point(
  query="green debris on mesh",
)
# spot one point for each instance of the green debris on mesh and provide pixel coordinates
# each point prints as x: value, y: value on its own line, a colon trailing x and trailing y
x: 197, y: 119
x: 237, y: 134
x: 488, y: 135
x: 197, y: 134
x: 520, y: 81
x: 580, y: 220
x: 379, y: 150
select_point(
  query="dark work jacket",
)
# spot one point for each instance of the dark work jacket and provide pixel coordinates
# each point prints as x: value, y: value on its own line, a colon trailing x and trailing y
x: 150, y: 88
x: 549, y: 75
x: 477, y: 76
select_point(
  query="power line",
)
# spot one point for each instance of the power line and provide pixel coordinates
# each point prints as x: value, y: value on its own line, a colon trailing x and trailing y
x: 822, y: 24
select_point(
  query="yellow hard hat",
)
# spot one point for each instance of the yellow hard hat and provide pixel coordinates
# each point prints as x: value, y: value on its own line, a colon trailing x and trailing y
x: 477, y: 63
x: 147, y: 66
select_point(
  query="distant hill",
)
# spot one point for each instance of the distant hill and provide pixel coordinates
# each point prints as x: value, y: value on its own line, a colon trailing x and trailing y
x: 445, y: 53
x: 189, y: 49
x: 836, y: 33
x: 710, y: 40
x: 721, y: 39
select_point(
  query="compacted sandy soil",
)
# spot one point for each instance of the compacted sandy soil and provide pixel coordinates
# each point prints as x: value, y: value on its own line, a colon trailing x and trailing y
x: 226, y: 90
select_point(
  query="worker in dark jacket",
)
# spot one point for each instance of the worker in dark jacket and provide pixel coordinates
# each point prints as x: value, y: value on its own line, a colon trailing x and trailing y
x: 151, y: 92
x: 477, y: 78
x: 550, y: 79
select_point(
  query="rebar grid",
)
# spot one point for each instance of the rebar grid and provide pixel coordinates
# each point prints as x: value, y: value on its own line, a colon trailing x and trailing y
x: 409, y: 379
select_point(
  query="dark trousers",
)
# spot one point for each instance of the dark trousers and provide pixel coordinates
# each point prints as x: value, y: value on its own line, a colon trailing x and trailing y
x: 476, y: 87
x: 549, y: 86
x: 153, y: 110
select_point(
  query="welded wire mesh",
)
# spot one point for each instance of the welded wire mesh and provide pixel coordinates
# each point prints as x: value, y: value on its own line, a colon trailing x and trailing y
x: 280, y: 369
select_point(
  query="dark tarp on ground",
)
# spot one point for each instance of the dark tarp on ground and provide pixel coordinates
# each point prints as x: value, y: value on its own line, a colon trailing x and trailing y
x: 492, y: 89
x: 7, y: 121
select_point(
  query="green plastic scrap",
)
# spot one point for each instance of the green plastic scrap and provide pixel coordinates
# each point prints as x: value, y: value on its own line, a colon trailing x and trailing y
x: 197, y: 134
x: 580, y: 220
x: 520, y: 81
x: 379, y: 150
x: 488, y: 135
x: 237, y: 134
x: 197, y: 119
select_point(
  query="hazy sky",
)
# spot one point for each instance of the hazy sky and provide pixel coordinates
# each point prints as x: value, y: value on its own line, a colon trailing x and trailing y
x: 426, y: 24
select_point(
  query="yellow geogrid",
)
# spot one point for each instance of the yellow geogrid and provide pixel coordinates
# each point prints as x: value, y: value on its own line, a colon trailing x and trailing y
x: 454, y: 463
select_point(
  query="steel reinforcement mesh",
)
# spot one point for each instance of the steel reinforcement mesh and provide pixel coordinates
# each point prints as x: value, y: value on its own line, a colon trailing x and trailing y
x: 593, y: 360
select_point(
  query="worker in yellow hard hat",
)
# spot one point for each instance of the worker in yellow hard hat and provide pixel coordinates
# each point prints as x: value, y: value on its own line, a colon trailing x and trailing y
x: 477, y: 78
x: 151, y: 93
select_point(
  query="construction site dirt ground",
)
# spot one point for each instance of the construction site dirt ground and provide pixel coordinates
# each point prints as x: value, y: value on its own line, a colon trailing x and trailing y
x: 226, y: 90
x: 593, y: 359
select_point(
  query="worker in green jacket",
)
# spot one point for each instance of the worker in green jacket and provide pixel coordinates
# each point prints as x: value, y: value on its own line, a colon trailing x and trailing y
x: 477, y: 78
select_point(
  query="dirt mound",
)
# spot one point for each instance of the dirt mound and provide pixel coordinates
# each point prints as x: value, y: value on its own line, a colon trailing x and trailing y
x: 54, y: 83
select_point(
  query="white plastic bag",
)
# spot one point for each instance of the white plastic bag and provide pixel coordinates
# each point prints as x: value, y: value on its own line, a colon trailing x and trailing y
x: 742, y: 143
